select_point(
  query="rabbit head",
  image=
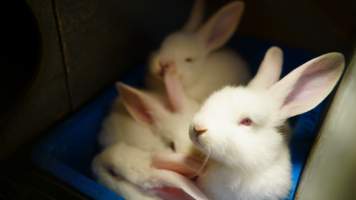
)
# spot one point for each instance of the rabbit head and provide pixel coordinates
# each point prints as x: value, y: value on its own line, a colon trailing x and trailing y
x: 188, y: 49
x: 238, y: 126
x: 171, y: 120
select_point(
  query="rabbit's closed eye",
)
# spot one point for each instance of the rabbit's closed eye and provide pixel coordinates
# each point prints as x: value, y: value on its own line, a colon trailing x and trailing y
x: 172, y: 146
x: 111, y: 171
x: 189, y: 59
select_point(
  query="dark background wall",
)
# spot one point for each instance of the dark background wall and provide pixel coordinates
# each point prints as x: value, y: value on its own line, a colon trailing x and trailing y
x: 84, y: 46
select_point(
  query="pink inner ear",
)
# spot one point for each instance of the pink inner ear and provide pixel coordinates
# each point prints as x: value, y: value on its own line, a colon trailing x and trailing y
x: 179, y: 163
x: 169, y: 193
x: 309, y: 86
x: 144, y: 113
x: 136, y: 105
x: 196, y: 16
x: 220, y: 28
x: 174, y: 90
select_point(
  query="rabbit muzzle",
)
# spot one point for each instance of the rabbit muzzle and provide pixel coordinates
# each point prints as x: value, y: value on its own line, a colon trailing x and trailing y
x: 195, y: 131
x: 199, y: 130
x: 164, y: 67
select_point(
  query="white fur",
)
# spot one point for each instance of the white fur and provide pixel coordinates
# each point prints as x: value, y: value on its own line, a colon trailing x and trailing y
x: 252, y: 162
x: 130, y: 139
x: 119, y: 126
x: 211, y: 69
x: 131, y: 164
x: 135, y: 177
x: 174, y: 127
x: 128, y: 146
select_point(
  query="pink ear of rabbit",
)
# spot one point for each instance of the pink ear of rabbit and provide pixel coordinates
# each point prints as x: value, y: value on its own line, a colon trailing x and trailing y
x: 306, y: 86
x: 177, y: 162
x: 270, y: 69
x: 140, y: 106
x: 170, y: 179
x: 174, y: 90
x: 196, y: 16
x: 169, y: 193
x: 222, y: 25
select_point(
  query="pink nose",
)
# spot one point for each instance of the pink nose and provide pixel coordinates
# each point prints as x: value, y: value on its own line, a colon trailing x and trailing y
x: 199, y: 130
x: 163, y: 67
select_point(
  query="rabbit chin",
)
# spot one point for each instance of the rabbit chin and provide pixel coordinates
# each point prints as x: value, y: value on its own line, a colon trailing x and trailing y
x: 241, y: 155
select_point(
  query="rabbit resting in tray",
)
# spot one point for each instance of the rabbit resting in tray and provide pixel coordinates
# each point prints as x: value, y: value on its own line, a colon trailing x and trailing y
x: 149, y: 125
x: 238, y: 127
x: 195, y: 53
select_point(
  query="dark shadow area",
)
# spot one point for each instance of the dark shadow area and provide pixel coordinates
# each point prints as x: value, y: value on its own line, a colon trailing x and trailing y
x: 20, y: 47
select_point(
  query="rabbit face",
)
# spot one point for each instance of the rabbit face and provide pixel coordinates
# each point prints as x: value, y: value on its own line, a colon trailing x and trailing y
x: 188, y: 49
x: 169, y: 122
x: 239, y: 128
x: 183, y: 52
x: 174, y: 129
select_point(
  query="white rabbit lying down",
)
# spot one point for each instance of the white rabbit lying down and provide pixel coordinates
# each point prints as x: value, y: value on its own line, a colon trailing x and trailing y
x: 121, y: 135
x: 128, y: 171
x: 238, y: 128
x: 131, y: 136
x: 169, y: 121
x: 194, y: 52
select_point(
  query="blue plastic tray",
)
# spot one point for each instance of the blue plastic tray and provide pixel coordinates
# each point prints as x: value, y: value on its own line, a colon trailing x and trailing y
x: 69, y: 148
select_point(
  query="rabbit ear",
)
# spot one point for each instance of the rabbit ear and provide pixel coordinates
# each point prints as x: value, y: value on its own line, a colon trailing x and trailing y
x: 141, y: 106
x: 221, y: 26
x: 170, y: 193
x: 270, y: 69
x: 177, y: 162
x: 196, y: 16
x: 305, y: 87
x: 173, y: 180
x: 174, y: 90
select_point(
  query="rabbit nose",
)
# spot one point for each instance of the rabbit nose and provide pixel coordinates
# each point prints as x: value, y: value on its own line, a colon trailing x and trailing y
x: 199, y: 130
x: 163, y: 67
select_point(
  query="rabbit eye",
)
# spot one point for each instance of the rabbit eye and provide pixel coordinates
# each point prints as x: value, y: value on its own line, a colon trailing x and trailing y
x: 112, y: 172
x: 172, y: 146
x: 189, y: 59
x: 246, y: 121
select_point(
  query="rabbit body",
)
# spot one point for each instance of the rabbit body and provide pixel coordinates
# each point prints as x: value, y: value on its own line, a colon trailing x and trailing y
x: 126, y: 170
x: 221, y: 68
x: 141, y: 124
x: 239, y: 127
x: 125, y: 163
x: 202, y: 66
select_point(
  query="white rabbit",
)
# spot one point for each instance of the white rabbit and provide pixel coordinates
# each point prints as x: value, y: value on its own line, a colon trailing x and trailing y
x: 194, y: 52
x: 238, y: 128
x: 127, y: 170
x: 131, y: 138
x: 169, y: 120
x: 122, y: 136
